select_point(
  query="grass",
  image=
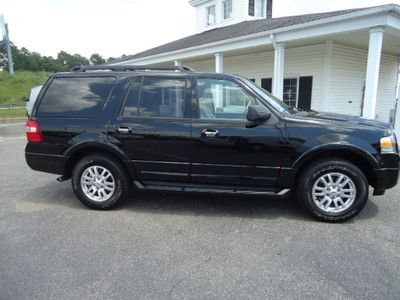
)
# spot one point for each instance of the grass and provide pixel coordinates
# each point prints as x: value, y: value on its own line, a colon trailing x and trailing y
x: 12, y: 113
x: 13, y: 88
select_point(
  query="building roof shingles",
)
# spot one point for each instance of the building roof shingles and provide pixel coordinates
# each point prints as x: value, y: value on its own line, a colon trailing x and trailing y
x: 237, y: 30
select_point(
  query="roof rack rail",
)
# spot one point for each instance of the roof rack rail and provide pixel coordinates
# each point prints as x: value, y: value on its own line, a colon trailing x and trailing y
x: 130, y: 68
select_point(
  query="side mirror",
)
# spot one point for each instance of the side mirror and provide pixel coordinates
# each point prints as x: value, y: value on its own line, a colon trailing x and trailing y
x: 25, y: 99
x: 256, y: 115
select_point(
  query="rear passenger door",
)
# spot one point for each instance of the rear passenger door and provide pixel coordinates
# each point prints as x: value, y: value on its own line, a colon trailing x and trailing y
x: 153, y: 127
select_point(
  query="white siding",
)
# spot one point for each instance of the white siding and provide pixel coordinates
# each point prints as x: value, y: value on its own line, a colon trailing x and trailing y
x: 346, y: 78
x: 240, y: 12
x: 387, y: 87
x: 302, y: 61
x: 201, y: 66
x: 345, y: 90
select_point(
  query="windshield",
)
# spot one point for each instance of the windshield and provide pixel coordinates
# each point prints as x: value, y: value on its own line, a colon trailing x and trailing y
x: 278, y: 104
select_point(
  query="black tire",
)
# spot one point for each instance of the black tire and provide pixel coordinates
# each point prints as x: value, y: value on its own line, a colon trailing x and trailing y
x: 121, y: 189
x: 315, y: 171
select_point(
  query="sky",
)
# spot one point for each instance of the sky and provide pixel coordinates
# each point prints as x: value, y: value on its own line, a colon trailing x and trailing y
x: 115, y: 27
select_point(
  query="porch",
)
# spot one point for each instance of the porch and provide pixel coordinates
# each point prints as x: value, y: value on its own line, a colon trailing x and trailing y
x: 354, y: 73
x: 344, y: 62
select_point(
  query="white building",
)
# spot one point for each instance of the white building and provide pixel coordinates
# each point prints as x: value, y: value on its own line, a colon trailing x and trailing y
x: 342, y: 61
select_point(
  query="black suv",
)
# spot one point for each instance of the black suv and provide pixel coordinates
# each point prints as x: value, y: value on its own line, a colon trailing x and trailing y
x: 172, y: 129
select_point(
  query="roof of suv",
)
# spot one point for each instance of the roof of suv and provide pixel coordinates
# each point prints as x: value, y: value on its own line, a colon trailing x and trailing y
x: 104, y: 70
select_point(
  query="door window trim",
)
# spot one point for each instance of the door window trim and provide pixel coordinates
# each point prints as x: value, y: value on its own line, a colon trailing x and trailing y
x: 186, y: 114
x: 195, y: 104
x: 122, y: 107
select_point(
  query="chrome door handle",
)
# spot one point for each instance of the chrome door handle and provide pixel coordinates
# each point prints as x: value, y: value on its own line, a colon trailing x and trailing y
x: 209, y: 133
x: 124, y: 129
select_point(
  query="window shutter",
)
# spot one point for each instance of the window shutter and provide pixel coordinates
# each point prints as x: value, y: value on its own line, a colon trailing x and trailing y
x: 269, y: 9
x: 266, y: 84
x: 251, y: 7
x: 305, y: 92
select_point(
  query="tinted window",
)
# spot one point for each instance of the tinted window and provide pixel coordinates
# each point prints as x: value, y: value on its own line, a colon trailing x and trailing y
x: 131, y: 108
x: 76, y: 97
x: 160, y: 97
x: 222, y: 99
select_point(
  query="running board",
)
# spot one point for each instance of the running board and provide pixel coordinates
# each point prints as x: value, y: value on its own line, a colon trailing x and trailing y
x: 153, y: 186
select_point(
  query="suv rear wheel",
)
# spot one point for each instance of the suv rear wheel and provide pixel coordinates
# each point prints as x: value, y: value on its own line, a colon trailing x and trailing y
x: 99, y: 182
x: 333, y: 190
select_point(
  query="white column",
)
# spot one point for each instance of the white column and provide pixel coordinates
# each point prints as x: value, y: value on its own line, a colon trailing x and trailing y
x: 219, y: 62
x: 397, y: 121
x: 372, y: 77
x: 219, y: 95
x: 397, y: 116
x: 178, y: 63
x: 279, y: 69
x: 327, y: 75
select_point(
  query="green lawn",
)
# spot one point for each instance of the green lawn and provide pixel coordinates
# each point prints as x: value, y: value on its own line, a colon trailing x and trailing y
x: 12, y: 113
x: 13, y: 88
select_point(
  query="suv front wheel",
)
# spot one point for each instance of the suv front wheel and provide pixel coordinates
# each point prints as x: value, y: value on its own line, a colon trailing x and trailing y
x: 333, y: 190
x: 99, y: 182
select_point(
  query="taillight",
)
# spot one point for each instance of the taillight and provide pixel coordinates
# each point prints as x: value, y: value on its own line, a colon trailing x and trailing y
x: 33, y: 133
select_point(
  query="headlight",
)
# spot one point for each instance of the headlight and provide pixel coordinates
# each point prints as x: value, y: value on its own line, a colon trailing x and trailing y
x: 388, y: 144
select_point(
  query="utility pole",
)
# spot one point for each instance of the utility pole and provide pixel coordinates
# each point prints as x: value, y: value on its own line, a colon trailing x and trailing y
x: 9, y: 54
x: 7, y: 44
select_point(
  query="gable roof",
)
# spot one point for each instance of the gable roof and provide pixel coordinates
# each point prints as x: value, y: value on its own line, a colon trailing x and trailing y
x: 238, y: 30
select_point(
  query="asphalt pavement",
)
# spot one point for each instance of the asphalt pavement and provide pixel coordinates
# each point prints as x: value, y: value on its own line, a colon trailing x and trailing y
x: 161, y: 245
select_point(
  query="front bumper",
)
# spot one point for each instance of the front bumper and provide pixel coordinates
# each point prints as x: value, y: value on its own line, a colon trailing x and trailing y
x: 386, y: 178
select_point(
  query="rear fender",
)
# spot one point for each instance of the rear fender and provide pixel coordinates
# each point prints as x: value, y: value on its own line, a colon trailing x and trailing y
x: 97, y: 142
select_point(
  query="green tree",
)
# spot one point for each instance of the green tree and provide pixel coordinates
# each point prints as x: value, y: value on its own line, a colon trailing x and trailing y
x: 24, y: 60
x: 111, y: 59
x: 69, y: 61
x: 96, y: 59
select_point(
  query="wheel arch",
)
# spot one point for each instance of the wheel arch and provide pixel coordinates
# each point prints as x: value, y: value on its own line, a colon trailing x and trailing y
x: 75, y: 153
x: 360, y: 158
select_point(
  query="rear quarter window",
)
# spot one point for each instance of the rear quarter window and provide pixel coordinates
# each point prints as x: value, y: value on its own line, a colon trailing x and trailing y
x: 78, y: 97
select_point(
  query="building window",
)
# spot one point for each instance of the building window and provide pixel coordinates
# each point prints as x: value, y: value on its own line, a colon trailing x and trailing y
x: 290, y: 91
x: 211, y: 15
x: 251, y: 7
x: 257, y: 8
x: 297, y: 92
x: 227, y: 9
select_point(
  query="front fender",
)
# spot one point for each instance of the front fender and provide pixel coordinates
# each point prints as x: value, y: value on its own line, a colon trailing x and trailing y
x: 337, y: 143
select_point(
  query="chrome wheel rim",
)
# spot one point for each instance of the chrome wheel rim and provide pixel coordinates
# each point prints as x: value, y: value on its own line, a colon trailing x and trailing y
x: 334, y: 192
x: 97, y: 183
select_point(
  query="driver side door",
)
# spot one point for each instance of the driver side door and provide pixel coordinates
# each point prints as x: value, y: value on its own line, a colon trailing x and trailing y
x: 223, y: 150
